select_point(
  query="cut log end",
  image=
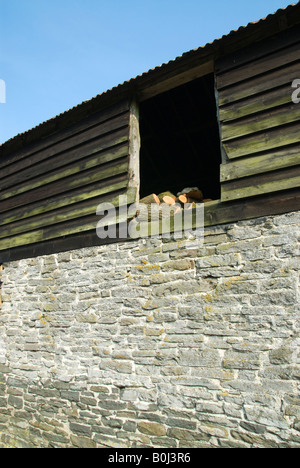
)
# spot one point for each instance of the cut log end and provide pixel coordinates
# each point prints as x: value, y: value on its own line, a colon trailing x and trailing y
x: 163, y: 195
x: 153, y: 198
x: 169, y: 200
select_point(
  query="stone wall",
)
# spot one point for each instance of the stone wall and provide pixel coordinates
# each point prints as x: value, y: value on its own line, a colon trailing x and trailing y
x: 155, y: 342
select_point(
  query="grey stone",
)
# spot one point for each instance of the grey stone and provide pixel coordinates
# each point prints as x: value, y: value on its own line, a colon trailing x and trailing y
x: 15, y: 402
x: 155, y: 342
x: 281, y: 355
x: 151, y: 428
x: 80, y: 428
x: 83, y: 442
x: 69, y: 395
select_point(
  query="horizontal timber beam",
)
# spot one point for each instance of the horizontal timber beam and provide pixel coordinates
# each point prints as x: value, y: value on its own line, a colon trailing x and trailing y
x: 177, y: 80
x: 215, y: 213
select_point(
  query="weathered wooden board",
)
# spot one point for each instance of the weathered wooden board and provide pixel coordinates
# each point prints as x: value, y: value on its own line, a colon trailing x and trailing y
x: 265, y: 64
x: 66, y: 185
x: 52, y: 188
x: 259, y: 123
x: 179, y: 79
x: 252, y: 51
x: 77, y: 210
x: 218, y: 212
x: 259, y: 85
x: 66, y: 138
x: 215, y: 213
x: 263, y: 141
x: 53, y: 203
x: 66, y: 172
x: 60, y: 244
x: 254, y: 104
x: 271, y: 182
x: 253, y: 165
x: 27, y: 169
x: 57, y: 225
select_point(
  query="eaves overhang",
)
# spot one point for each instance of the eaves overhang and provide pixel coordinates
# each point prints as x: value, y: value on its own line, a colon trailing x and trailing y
x: 187, y: 66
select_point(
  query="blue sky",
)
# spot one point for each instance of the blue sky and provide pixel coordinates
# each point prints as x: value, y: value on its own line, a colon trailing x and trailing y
x: 56, y: 54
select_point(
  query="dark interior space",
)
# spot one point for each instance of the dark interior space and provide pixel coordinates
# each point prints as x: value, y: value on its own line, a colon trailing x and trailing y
x: 180, y: 143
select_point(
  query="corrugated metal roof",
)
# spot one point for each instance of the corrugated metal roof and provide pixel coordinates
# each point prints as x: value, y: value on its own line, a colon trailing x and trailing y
x: 212, y: 44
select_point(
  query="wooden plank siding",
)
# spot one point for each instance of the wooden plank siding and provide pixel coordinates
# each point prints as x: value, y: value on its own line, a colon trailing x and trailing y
x: 259, y: 123
x: 53, y: 178
x: 51, y: 189
x: 215, y: 213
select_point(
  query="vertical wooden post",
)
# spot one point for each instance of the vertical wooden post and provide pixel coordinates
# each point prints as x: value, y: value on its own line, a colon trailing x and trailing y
x: 134, y: 148
x: 224, y: 157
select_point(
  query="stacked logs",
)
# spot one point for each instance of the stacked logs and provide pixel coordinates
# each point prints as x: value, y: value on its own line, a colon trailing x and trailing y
x: 160, y: 204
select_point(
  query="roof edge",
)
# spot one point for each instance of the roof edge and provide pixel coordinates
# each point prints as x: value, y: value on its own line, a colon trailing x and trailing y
x: 272, y: 24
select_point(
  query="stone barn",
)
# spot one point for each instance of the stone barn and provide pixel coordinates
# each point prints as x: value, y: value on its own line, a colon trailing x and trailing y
x: 172, y: 340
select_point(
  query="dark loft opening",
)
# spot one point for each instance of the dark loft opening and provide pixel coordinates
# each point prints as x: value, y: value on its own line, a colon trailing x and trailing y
x: 180, y: 142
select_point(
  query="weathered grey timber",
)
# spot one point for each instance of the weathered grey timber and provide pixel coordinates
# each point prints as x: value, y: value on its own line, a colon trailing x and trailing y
x: 243, y: 145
